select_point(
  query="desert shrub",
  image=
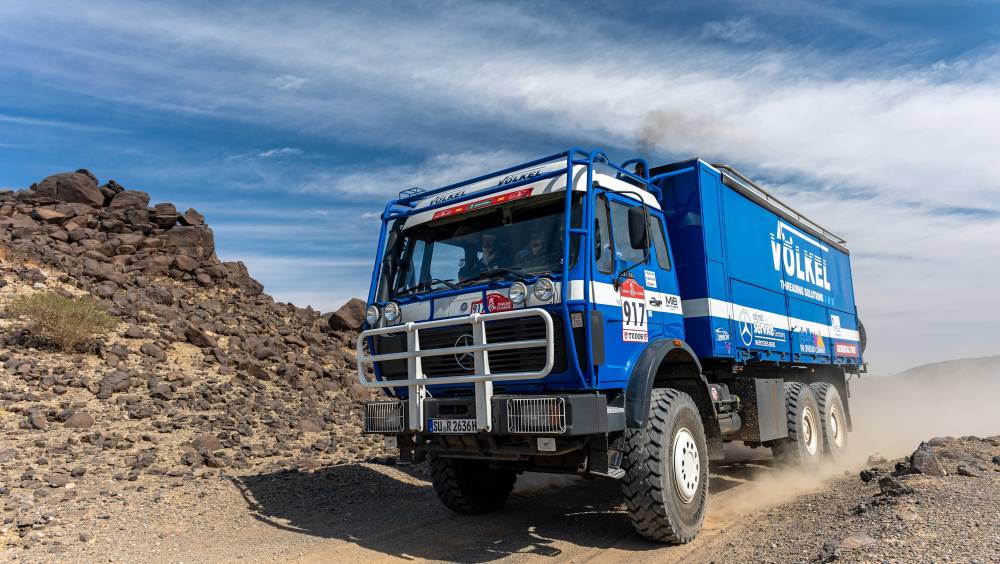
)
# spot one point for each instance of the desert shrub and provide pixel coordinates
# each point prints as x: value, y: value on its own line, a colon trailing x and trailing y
x: 66, y: 322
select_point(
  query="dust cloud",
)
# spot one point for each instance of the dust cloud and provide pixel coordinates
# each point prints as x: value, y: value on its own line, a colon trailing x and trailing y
x: 891, y: 415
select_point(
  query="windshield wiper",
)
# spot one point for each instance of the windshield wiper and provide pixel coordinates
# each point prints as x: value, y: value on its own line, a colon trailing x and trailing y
x: 426, y: 284
x: 491, y: 273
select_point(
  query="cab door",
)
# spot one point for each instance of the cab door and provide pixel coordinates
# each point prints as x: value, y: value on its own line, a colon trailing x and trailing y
x: 633, y: 312
x: 666, y: 304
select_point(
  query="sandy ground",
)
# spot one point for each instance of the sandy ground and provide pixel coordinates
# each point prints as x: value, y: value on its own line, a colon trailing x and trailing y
x: 368, y: 512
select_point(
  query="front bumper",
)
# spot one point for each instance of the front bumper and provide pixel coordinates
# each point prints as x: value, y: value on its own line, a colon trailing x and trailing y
x: 413, y: 416
x: 548, y: 415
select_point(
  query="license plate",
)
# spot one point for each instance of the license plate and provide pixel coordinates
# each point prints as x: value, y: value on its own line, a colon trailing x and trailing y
x: 452, y: 426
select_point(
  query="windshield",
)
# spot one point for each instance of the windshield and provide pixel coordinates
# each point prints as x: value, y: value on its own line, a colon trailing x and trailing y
x: 517, y: 239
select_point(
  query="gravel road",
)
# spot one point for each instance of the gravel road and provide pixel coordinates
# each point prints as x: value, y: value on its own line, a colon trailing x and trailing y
x: 375, y: 512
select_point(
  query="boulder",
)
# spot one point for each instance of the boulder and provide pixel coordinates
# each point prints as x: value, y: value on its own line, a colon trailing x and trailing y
x: 192, y: 218
x: 185, y: 263
x: 49, y: 215
x: 130, y: 199
x: 80, y: 420
x: 165, y: 208
x: 161, y: 391
x: 163, y: 221
x: 152, y: 350
x: 350, y: 316
x: 206, y: 442
x: 924, y: 461
x: 199, y: 338
x: 76, y: 187
x: 892, y: 487
x: 195, y: 242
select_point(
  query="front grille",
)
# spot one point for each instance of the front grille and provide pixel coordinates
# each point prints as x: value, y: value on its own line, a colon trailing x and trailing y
x: 384, y: 417
x: 518, y: 360
x: 536, y: 415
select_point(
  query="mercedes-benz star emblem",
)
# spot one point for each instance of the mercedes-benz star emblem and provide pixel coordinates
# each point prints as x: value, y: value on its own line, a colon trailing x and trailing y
x: 746, y: 333
x: 465, y: 360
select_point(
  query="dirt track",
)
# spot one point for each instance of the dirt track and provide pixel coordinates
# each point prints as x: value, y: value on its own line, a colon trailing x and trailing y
x: 368, y: 512
x: 373, y: 512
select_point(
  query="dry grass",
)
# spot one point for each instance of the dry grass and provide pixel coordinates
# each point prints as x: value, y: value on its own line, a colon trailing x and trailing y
x: 66, y: 322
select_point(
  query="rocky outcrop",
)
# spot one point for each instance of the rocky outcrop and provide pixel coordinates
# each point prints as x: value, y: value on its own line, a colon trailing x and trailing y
x: 109, y: 234
x: 204, y: 372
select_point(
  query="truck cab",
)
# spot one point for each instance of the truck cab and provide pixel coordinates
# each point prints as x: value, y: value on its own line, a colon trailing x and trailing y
x: 572, y: 315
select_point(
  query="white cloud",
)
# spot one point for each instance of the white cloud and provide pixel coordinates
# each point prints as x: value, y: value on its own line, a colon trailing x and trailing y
x: 288, y: 82
x: 36, y: 122
x: 736, y: 30
x: 279, y: 153
x: 434, y: 172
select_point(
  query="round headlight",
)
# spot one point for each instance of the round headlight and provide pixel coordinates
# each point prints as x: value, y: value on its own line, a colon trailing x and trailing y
x: 391, y: 312
x: 544, y: 289
x: 372, y: 315
x: 518, y: 291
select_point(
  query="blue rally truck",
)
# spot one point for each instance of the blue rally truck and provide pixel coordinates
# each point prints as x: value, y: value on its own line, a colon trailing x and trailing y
x: 570, y: 315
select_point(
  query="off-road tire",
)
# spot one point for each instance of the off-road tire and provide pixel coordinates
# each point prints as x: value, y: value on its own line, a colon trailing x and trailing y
x: 804, y: 446
x: 833, y: 419
x: 470, y: 487
x: 652, y: 492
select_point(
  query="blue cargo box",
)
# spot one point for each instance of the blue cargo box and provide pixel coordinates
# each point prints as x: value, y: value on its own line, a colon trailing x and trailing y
x: 759, y: 281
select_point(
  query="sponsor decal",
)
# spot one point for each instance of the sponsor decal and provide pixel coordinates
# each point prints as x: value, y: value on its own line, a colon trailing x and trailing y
x: 800, y: 257
x: 721, y: 335
x: 494, y: 303
x: 484, y: 203
x: 671, y: 304
x: 756, y: 331
x: 512, y: 178
x: 812, y: 343
x: 634, y: 316
x: 650, y: 278
x: 439, y: 199
x: 846, y: 349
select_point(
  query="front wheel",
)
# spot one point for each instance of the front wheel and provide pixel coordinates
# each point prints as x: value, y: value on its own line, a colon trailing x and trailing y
x: 666, y: 470
x: 470, y: 487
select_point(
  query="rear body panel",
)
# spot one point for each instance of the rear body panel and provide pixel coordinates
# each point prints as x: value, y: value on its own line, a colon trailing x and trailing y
x: 758, y: 284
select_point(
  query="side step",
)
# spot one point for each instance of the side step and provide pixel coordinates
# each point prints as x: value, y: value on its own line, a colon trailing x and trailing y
x: 605, y: 459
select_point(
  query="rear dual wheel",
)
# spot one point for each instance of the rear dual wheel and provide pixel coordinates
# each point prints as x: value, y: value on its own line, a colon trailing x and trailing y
x: 804, y: 445
x: 817, y: 425
x: 833, y: 419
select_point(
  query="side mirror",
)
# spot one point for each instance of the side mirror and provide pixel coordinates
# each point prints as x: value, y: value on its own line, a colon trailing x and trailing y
x: 637, y: 227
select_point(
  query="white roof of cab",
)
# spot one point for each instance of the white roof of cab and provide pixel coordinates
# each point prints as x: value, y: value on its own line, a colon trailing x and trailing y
x: 546, y: 186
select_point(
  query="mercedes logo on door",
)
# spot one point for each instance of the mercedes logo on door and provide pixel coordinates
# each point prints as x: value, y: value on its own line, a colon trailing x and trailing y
x: 746, y: 333
x: 465, y: 360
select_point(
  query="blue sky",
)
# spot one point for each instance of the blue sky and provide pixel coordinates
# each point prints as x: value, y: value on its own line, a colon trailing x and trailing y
x: 290, y: 125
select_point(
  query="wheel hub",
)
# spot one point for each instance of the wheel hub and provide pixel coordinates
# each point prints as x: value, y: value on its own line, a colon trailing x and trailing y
x: 835, y: 427
x: 687, y: 465
x: 809, y: 431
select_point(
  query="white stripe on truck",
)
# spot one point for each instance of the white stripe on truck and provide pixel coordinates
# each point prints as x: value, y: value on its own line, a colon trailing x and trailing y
x: 710, y: 307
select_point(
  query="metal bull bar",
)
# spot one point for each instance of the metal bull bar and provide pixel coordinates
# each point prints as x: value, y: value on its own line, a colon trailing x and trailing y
x: 482, y: 377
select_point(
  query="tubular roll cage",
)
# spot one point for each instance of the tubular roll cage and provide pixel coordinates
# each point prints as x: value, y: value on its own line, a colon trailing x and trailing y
x: 406, y: 205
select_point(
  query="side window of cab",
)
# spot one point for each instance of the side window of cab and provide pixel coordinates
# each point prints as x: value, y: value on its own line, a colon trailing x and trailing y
x: 603, y: 252
x: 624, y: 252
x: 659, y: 240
